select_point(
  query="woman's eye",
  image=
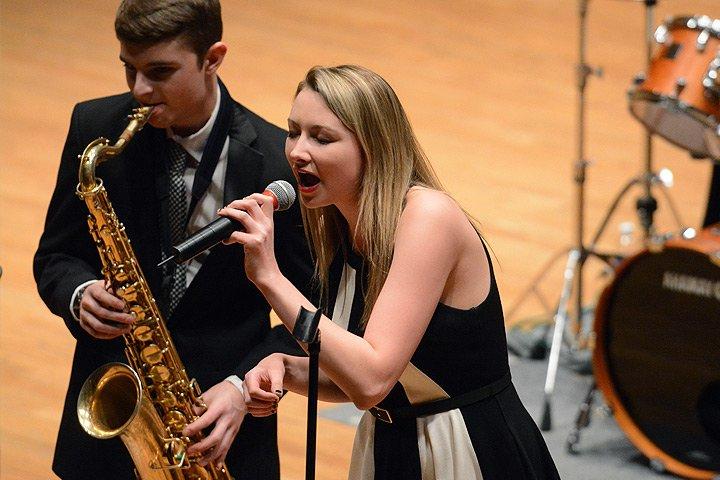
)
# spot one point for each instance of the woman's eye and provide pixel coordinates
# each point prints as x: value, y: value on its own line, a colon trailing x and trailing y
x: 323, y: 140
x: 292, y: 134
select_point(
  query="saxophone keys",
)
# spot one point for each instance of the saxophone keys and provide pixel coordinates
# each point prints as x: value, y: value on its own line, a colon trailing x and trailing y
x: 175, y: 450
x: 128, y: 292
x: 143, y: 333
x: 152, y: 354
x: 167, y: 399
x: 159, y: 373
x: 138, y: 312
x: 175, y: 420
x: 172, y: 457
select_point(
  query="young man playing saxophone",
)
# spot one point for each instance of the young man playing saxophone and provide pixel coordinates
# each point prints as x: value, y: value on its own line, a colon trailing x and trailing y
x: 171, y: 52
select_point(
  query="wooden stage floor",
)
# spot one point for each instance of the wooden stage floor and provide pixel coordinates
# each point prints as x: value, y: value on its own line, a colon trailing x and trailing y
x: 489, y: 85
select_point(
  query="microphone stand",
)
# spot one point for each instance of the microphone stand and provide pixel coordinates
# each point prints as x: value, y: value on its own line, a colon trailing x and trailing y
x: 306, y: 331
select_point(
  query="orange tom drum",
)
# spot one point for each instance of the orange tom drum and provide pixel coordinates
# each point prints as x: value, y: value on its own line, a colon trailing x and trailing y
x: 657, y: 353
x: 679, y: 98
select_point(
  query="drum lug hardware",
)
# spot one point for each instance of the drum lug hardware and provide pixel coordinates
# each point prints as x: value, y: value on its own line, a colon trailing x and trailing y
x: 680, y: 85
x: 662, y: 35
x: 702, y: 40
x: 688, y: 233
x: 711, y: 81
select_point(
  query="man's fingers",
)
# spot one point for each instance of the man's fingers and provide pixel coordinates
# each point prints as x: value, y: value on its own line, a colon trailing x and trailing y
x: 108, y: 300
x: 96, y: 304
x: 198, y: 409
x: 220, y: 451
x: 103, y: 313
x: 210, y: 445
x: 207, y: 443
x: 202, y: 422
x: 100, y: 294
x: 99, y: 329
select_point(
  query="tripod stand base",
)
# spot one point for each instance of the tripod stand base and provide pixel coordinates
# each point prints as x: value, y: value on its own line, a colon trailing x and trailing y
x: 546, y: 421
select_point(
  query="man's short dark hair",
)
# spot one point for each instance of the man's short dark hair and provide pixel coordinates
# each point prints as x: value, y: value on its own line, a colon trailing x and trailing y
x: 147, y: 22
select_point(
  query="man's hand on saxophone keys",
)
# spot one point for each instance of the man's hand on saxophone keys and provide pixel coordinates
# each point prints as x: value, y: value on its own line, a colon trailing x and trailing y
x: 102, y: 314
x: 225, y: 407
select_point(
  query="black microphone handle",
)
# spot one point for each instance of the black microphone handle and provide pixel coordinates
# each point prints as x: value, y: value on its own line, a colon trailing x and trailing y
x: 207, y: 237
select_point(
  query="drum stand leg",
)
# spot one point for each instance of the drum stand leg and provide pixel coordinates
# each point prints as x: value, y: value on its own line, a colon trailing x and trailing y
x: 582, y: 421
x: 559, y: 329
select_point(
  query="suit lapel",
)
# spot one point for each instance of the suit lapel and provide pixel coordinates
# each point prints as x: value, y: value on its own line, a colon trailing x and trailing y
x: 245, y: 164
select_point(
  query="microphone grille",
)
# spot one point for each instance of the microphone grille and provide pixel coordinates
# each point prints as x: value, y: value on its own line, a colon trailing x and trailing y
x: 284, y: 193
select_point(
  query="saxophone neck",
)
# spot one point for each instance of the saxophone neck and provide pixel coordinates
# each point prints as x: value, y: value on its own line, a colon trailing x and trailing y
x: 100, y: 150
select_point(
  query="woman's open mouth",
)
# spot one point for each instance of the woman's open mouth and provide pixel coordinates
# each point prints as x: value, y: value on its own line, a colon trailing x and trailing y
x: 307, y: 180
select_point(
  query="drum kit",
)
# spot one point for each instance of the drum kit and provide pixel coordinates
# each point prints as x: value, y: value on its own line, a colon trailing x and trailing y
x: 656, y: 329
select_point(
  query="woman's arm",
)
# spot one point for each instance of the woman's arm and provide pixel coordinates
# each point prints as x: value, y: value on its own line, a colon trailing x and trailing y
x: 431, y: 237
x: 277, y: 372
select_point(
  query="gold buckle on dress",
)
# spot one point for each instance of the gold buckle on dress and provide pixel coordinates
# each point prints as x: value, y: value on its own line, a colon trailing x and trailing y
x: 380, y: 414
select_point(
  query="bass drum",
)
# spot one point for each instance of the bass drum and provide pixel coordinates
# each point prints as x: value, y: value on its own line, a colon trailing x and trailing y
x: 657, y: 353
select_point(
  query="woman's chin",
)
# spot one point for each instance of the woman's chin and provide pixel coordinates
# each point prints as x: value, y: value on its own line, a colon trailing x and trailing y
x: 312, y: 201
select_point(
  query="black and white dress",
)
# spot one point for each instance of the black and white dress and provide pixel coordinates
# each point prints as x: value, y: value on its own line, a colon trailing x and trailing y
x: 463, y: 353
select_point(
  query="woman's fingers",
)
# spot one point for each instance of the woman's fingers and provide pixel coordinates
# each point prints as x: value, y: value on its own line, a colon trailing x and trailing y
x: 257, y: 388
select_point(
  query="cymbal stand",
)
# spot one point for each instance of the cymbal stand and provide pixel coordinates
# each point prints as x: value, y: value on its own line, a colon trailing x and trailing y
x: 579, y: 254
x: 647, y: 205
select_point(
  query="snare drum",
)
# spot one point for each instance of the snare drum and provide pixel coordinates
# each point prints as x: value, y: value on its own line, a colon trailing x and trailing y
x: 657, y: 353
x: 679, y: 98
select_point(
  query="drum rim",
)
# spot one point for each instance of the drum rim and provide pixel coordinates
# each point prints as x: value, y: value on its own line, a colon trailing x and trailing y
x: 708, y: 121
x: 604, y: 382
x: 701, y: 22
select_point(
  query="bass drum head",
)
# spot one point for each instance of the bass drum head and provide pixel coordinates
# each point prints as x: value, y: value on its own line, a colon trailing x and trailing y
x: 657, y: 357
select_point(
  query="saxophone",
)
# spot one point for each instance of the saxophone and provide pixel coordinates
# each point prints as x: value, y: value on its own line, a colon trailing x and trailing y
x: 149, y: 402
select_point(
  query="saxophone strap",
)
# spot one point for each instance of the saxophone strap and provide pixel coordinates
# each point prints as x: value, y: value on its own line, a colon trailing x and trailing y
x: 213, y: 149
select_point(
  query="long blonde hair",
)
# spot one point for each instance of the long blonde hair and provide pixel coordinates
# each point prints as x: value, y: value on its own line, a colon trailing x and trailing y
x: 393, y: 162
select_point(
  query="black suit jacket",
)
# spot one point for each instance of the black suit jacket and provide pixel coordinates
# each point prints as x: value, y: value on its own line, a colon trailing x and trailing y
x: 221, y: 325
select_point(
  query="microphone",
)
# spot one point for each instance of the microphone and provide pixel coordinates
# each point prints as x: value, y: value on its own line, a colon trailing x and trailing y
x: 283, y: 196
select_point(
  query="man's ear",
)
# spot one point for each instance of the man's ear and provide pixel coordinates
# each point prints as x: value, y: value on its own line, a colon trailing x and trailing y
x: 214, y: 57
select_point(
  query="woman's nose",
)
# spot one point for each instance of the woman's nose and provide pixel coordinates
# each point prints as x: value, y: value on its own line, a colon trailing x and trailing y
x: 297, y: 153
